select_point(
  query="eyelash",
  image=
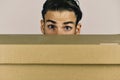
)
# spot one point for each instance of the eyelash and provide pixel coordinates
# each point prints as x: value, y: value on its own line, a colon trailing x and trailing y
x: 69, y: 27
x: 51, y: 27
x: 66, y: 28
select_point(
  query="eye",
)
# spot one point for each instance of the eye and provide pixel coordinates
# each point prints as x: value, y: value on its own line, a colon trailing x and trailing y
x: 52, y: 27
x: 68, y: 28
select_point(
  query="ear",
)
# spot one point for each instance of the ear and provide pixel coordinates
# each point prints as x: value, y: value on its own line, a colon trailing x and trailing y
x: 78, y: 28
x: 42, y: 26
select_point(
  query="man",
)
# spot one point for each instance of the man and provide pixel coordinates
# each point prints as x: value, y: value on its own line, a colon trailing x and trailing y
x: 61, y: 17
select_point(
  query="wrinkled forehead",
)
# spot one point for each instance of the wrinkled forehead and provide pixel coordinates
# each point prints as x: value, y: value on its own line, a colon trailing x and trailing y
x: 60, y: 16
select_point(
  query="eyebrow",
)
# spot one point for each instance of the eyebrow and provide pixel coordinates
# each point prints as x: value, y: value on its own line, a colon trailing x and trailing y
x: 51, y: 21
x: 69, y: 22
x: 54, y: 22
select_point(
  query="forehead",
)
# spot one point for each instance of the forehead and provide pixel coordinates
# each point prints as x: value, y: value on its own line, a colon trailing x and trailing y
x: 60, y: 16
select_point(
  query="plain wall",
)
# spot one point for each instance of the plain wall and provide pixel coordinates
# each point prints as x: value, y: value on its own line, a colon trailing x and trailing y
x: 23, y: 16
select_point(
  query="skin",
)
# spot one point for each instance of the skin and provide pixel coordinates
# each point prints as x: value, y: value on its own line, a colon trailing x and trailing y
x: 60, y: 23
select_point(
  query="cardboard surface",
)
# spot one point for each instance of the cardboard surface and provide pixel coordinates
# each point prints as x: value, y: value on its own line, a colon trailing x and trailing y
x: 27, y: 58
x: 59, y: 72
x: 59, y: 54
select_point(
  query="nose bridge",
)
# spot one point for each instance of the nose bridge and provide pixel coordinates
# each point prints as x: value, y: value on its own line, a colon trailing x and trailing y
x: 59, y: 29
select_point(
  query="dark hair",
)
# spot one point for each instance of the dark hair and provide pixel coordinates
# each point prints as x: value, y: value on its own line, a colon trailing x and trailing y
x: 60, y: 5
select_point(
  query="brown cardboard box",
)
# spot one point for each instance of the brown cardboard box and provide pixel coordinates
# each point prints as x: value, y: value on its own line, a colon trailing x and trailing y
x: 59, y: 62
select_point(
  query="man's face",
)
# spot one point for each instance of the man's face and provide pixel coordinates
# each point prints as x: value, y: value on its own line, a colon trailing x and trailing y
x: 60, y: 22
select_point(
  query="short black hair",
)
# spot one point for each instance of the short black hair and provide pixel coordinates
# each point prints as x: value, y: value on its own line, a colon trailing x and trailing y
x: 60, y: 5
